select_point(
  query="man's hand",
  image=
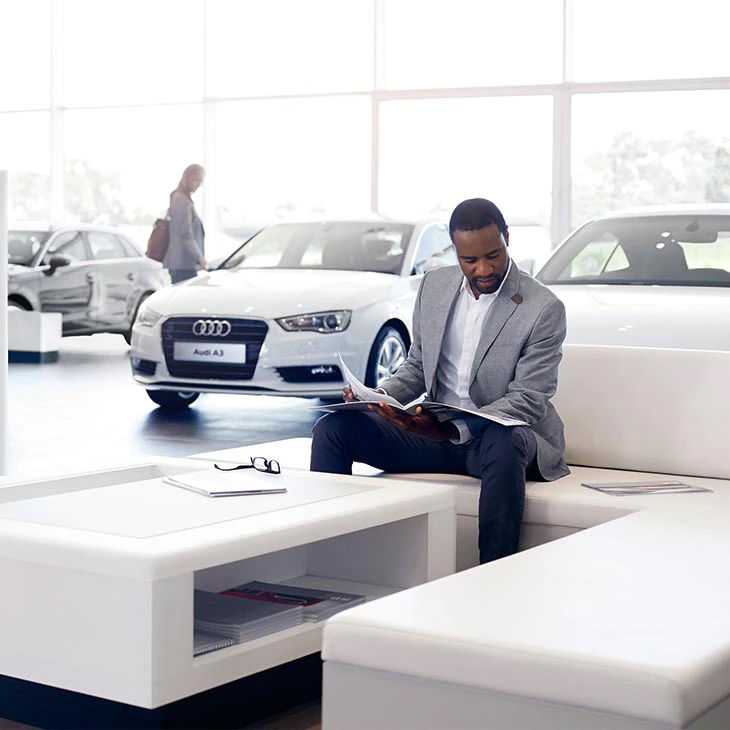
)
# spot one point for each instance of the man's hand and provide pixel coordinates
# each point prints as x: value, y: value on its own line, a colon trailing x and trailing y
x: 348, y: 396
x: 420, y: 424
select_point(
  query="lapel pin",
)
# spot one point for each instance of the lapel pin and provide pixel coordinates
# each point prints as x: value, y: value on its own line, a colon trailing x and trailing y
x: 517, y: 298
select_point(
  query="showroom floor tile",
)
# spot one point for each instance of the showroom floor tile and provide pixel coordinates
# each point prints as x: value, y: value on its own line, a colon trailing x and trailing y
x: 85, y: 411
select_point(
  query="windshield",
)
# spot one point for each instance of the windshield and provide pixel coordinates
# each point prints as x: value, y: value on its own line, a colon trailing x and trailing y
x: 672, y: 250
x: 347, y: 246
x: 24, y: 245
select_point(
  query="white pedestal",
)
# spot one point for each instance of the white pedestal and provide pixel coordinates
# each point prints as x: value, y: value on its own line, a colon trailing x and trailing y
x: 33, y: 336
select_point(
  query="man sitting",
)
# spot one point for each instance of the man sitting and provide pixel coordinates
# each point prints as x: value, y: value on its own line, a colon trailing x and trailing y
x: 485, y: 337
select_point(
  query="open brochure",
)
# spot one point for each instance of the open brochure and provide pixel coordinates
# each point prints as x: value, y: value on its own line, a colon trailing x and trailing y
x: 368, y: 396
x: 658, y: 486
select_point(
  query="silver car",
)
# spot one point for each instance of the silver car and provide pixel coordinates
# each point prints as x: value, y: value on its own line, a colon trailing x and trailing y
x: 95, y: 277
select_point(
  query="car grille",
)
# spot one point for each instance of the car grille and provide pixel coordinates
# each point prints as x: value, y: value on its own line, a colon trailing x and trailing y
x: 250, y: 332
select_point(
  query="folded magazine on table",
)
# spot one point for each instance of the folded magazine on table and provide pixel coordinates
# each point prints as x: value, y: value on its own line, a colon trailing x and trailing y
x: 656, y: 486
x: 214, y: 483
x: 367, y: 397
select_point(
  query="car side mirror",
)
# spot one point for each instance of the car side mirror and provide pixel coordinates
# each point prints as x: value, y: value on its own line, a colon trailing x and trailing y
x: 56, y: 262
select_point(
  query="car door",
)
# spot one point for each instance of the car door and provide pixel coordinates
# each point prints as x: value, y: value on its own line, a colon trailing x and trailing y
x: 144, y: 274
x: 116, y: 277
x: 68, y: 289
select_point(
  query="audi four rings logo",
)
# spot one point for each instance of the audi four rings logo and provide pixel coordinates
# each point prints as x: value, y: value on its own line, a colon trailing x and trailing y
x: 212, y: 328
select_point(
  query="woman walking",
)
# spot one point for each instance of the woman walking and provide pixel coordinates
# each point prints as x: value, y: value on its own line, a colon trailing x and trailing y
x: 186, y: 252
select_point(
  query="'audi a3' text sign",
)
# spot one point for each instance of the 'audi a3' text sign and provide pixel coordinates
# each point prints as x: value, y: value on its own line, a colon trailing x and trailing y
x: 210, y: 352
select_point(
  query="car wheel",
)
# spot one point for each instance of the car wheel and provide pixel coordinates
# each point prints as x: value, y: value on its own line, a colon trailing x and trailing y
x: 128, y: 334
x: 22, y: 306
x: 172, y: 400
x: 388, y: 353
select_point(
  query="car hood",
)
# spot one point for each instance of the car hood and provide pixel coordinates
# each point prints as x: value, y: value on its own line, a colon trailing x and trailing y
x: 271, y: 293
x: 649, y: 316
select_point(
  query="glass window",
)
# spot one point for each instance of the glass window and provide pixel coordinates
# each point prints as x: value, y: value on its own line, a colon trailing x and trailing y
x: 24, y: 245
x: 296, y: 157
x: 25, y: 151
x: 682, y: 250
x: 132, y: 52
x: 25, y: 54
x: 343, y: 245
x: 105, y: 246
x: 649, y: 148
x: 434, y: 44
x: 709, y: 258
x: 129, y: 248
x: 435, y: 153
x: 289, y: 47
x: 603, y: 254
x: 530, y: 246
x: 125, y: 175
x: 71, y: 245
x: 435, y: 248
x: 624, y: 39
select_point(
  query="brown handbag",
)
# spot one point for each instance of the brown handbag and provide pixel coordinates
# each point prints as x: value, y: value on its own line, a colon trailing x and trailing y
x: 159, y: 239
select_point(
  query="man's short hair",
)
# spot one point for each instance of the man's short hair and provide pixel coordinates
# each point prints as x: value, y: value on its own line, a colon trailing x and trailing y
x: 475, y: 213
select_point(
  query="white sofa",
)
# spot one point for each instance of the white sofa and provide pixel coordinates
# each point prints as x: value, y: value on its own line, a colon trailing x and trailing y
x: 624, y: 409
x: 623, y: 626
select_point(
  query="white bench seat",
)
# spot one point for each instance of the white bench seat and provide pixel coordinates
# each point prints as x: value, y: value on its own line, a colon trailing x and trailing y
x: 552, y: 509
x: 623, y: 625
x: 613, y: 627
x: 556, y: 509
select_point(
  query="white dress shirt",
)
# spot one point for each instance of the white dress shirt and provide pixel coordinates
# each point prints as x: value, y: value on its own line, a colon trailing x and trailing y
x: 464, y: 329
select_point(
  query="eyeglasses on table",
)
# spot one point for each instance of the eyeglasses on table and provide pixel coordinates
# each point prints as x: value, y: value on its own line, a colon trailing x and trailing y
x: 267, y: 466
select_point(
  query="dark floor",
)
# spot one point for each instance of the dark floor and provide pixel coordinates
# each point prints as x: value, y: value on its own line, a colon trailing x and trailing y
x: 85, y: 411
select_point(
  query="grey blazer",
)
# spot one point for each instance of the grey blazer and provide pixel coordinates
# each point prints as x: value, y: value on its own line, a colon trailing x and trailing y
x: 186, y: 235
x: 515, y: 369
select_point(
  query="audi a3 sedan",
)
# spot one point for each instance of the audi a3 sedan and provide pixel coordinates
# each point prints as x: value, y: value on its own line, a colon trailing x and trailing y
x: 95, y: 277
x: 273, y: 317
x: 652, y: 277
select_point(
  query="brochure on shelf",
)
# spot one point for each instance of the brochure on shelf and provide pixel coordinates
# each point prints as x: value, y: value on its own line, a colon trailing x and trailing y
x: 317, y: 604
x: 367, y: 397
x: 657, y: 486
x: 241, y: 619
x: 203, y: 642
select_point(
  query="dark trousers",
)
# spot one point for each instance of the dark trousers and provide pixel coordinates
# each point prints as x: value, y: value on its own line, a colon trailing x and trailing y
x: 501, y: 457
x: 182, y: 274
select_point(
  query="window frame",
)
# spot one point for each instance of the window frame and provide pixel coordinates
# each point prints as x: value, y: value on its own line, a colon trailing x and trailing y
x: 50, y: 243
x: 112, y: 237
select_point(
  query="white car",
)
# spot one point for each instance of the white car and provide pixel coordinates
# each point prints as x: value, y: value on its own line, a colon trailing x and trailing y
x: 653, y: 277
x: 273, y: 317
x: 95, y: 277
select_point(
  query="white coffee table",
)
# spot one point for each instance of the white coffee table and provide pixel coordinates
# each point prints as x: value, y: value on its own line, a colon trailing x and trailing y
x: 98, y: 570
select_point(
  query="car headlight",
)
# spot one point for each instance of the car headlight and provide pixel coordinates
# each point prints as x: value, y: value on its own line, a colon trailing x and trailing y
x: 324, y: 322
x: 147, y: 317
